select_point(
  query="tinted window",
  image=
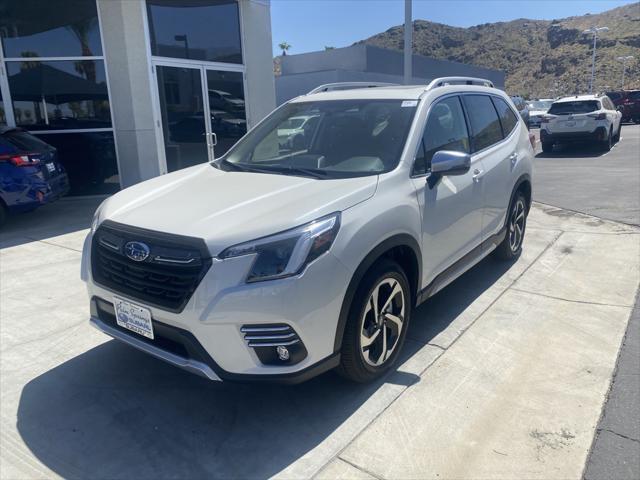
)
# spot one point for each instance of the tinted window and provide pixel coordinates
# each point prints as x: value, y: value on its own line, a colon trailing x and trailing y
x: 615, y: 95
x: 26, y: 142
x: 445, y: 130
x: 59, y: 94
x: 51, y: 28
x: 634, y: 95
x: 508, y: 119
x: 580, y: 106
x: 197, y: 29
x: 485, y: 124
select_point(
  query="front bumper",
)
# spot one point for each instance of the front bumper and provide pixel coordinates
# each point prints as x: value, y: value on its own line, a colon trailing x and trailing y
x: 208, y: 329
x: 599, y: 134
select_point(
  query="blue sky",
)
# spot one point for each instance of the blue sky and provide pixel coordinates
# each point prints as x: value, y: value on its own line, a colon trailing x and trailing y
x: 310, y: 25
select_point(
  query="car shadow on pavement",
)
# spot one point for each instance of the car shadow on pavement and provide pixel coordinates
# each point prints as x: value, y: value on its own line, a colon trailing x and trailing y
x: 585, y: 150
x: 114, y: 412
x: 64, y: 216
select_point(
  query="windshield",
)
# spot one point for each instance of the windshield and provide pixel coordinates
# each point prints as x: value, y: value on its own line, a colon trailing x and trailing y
x: 340, y: 138
x: 540, y: 105
x: 584, y: 106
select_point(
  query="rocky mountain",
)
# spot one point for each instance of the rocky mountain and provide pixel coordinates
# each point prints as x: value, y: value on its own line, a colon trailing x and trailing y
x: 541, y: 58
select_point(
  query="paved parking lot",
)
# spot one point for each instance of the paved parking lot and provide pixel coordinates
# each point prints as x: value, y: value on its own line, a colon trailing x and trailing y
x: 504, y: 375
x: 583, y: 179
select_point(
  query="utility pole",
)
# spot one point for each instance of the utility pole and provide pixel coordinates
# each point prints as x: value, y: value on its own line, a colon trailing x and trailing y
x: 624, y: 67
x: 594, y: 31
x: 408, y: 43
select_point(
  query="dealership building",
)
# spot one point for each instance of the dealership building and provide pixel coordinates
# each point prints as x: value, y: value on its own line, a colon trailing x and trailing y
x: 130, y: 89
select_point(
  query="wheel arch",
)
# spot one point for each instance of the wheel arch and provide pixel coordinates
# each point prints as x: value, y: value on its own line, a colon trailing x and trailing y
x: 402, y: 248
x: 524, y: 185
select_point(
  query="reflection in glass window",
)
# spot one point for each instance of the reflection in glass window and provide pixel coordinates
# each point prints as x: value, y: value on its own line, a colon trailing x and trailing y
x: 90, y: 161
x: 226, y: 104
x: 51, y: 28
x: 59, y: 94
x: 197, y: 29
x: 485, y: 124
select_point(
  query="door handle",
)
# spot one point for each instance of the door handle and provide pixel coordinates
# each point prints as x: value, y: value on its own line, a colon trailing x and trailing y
x: 513, y: 158
x: 477, y: 175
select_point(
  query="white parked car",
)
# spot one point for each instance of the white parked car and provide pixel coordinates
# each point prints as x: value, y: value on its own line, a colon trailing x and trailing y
x: 581, y: 118
x: 278, y: 264
x: 537, y: 109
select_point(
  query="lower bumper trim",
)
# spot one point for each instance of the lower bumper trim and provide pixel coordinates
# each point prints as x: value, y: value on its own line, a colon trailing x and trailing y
x: 191, y: 365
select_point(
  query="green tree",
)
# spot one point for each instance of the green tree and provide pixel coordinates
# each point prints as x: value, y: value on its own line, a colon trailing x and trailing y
x: 284, y: 46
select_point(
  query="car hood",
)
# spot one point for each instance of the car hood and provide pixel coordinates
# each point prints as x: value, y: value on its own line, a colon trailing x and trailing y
x: 226, y: 208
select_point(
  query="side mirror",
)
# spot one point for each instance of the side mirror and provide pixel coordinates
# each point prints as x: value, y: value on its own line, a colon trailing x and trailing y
x: 448, y: 162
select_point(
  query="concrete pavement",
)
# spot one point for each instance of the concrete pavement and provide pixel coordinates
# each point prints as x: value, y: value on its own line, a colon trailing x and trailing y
x: 504, y: 375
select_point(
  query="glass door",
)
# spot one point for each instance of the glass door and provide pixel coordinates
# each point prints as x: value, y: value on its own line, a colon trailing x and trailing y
x: 196, y: 131
x: 227, y: 112
x: 183, y: 116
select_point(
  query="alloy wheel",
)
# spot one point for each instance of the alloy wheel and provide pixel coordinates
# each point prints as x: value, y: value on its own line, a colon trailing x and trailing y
x: 382, y: 322
x: 516, y: 225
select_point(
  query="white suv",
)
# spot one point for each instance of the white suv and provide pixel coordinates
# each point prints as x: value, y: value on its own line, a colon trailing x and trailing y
x: 288, y: 257
x: 580, y: 118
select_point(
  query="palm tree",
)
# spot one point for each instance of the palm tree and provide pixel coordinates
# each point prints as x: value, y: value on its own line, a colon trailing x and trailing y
x: 284, y: 46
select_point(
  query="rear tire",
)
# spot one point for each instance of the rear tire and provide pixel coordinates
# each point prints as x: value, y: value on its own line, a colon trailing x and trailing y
x: 606, y: 144
x: 616, y: 137
x: 511, y: 247
x: 375, y: 330
x: 547, y: 147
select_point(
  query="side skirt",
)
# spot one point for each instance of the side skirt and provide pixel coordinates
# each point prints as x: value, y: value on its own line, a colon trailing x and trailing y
x: 461, y: 266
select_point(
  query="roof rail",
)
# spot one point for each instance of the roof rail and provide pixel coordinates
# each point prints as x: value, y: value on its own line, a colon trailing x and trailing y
x: 349, y: 86
x: 441, y: 82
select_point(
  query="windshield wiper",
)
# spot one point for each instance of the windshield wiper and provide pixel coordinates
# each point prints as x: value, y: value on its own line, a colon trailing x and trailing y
x: 311, y: 172
x: 277, y: 169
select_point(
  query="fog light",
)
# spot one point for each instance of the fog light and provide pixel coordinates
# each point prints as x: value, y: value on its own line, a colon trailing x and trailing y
x: 283, y: 353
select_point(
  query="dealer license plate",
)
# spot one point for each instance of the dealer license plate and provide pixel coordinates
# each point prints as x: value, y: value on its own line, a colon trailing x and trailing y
x: 51, y: 167
x: 133, y: 317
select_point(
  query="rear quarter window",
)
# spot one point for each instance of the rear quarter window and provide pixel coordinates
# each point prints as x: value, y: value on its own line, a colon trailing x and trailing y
x: 485, y: 124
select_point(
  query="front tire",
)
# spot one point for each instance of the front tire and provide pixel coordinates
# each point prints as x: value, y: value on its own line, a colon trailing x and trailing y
x: 377, y: 324
x: 616, y: 138
x: 547, y: 147
x: 511, y: 247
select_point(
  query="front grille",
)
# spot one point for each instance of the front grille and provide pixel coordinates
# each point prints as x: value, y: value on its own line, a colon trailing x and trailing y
x: 166, y: 278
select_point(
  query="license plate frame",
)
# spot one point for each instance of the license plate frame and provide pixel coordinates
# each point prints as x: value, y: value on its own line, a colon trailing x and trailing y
x: 133, y: 317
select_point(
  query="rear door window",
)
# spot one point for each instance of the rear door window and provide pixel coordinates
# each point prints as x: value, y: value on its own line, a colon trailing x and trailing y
x: 508, y: 119
x: 483, y: 118
x: 446, y: 129
x: 570, y: 108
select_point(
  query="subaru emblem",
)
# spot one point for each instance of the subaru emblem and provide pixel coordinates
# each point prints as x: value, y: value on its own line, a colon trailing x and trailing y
x: 136, y: 251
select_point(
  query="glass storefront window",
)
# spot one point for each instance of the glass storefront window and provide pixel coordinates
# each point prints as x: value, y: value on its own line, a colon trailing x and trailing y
x: 56, y: 95
x: 195, y: 29
x: 90, y: 161
x: 49, y: 28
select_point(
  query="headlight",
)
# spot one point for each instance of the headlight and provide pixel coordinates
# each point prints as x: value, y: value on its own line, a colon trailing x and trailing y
x: 287, y: 253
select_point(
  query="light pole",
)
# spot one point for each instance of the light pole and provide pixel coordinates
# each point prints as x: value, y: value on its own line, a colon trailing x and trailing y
x: 594, y: 31
x: 624, y: 67
x: 408, y: 42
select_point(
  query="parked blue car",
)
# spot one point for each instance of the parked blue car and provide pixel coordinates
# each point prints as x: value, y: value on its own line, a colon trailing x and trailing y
x: 30, y: 174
